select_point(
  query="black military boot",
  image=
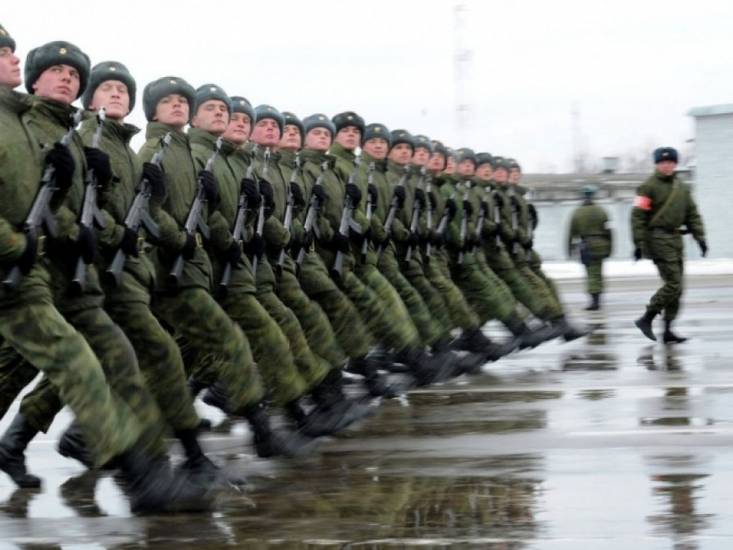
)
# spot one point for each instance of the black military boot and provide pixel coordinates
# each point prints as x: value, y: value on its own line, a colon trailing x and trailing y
x: 268, y: 442
x: 525, y: 337
x: 331, y: 400
x: 669, y: 336
x: 72, y: 445
x: 197, y: 465
x: 154, y: 488
x: 429, y: 369
x: 477, y: 342
x: 595, y: 302
x: 644, y: 324
x: 377, y: 385
x: 12, y: 452
x: 216, y: 396
x: 568, y: 331
x: 196, y: 387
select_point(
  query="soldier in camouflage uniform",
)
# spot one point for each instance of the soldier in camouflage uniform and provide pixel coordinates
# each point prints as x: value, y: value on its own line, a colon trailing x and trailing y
x: 518, y: 235
x: 275, y: 188
x: 664, y: 205
x: 116, y: 425
x: 392, y: 328
x: 590, y: 237
x: 218, y: 346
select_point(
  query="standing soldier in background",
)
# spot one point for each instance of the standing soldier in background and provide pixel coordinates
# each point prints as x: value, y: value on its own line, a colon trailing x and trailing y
x: 663, y: 204
x: 590, y: 236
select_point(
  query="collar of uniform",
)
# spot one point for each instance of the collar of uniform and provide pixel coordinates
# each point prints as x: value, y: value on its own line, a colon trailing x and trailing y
x: 392, y: 166
x: 60, y: 112
x: 156, y: 130
x: 120, y: 131
x: 311, y: 155
x: 287, y: 158
x: 662, y: 177
x: 14, y: 101
x: 379, y: 165
x: 339, y: 151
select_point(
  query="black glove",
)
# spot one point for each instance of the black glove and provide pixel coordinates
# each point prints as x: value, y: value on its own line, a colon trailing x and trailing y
x: 413, y: 240
x: 233, y: 253
x: 528, y: 245
x: 63, y: 163
x: 211, y: 190
x: 514, y: 201
x: 436, y: 239
x: 451, y: 207
x: 156, y: 179
x: 373, y: 194
x: 420, y: 198
x: 432, y: 200
x: 86, y: 244
x: 98, y: 161
x: 468, y: 208
x: 128, y: 244
x: 533, y: 216
x: 189, y: 247
x: 340, y: 243
x: 268, y: 195
x: 251, y: 192
x: 399, y: 194
x: 498, y: 200
x: 703, y: 247
x: 255, y: 247
x: 320, y: 192
x: 28, y: 257
x: 354, y: 193
x: 637, y: 254
x: 298, y: 197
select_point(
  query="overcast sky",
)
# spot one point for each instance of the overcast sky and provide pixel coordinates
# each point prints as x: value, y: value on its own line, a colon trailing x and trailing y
x: 631, y: 69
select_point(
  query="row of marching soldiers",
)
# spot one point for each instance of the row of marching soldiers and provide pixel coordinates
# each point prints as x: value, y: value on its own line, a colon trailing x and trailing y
x: 250, y: 260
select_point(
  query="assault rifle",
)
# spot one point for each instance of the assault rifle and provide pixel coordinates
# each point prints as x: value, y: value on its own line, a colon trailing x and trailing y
x: 310, y: 226
x: 392, y: 213
x: 91, y: 215
x: 195, y: 223
x: 138, y: 216
x: 415, y: 220
x: 238, y: 228
x: 40, y: 219
x: 347, y: 222
x: 464, y: 225
x: 261, y: 212
x: 290, y: 205
x: 369, y: 210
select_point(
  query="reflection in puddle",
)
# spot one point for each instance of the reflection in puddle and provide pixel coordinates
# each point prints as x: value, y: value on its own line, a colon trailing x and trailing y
x: 677, y: 495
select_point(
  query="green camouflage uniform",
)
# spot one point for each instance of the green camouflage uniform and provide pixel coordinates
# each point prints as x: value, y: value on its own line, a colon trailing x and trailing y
x: 656, y: 231
x: 589, y: 226
x: 29, y: 321
x: 393, y: 328
x: 269, y: 344
x: 221, y: 348
x: 320, y: 332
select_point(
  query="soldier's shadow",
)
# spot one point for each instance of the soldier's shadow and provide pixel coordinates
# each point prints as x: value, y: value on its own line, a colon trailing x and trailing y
x: 668, y: 358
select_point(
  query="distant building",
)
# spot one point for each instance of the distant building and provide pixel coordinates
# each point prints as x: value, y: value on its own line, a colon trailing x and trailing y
x: 714, y: 168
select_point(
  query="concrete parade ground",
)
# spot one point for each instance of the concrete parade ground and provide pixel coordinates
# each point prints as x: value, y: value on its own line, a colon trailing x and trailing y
x: 609, y: 442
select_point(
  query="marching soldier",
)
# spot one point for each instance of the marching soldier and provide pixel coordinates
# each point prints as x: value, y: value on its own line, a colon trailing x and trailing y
x: 591, y: 238
x: 664, y: 208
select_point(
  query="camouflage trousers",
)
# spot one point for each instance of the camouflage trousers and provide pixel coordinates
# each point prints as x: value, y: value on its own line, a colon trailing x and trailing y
x: 160, y: 362
x: 594, y: 277
x: 312, y: 367
x: 269, y: 346
x: 118, y: 359
x: 391, y: 327
x: 501, y: 263
x: 352, y: 333
x: 484, y: 291
x: 460, y: 313
x: 429, y: 329
x: 216, y: 346
x: 667, y: 299
x: 43, y: 338
x: 535, y: 264
x: 15, y: 374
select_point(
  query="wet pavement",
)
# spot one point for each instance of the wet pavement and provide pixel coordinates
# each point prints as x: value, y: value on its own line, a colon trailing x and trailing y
x: 604, y: 443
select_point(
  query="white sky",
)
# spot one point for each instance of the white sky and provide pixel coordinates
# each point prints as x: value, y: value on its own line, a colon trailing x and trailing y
x: 633, y: 68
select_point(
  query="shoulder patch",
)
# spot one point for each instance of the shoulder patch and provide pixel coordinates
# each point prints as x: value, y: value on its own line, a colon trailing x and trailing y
x: 643, y: 203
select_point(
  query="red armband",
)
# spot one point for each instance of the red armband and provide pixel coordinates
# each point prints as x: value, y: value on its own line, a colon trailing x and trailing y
x: 643, y: 203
